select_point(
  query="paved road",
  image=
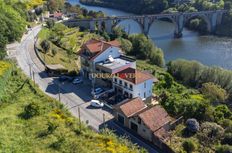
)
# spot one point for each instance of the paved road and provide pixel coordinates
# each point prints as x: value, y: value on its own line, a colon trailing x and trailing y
x: 71, y: 96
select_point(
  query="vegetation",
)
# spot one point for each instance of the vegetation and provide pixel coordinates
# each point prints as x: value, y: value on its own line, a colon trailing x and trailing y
x: 49, y: 126
x: 59, y: 44
x: 137, y: 7
x: 82, y: 12
x: 136, y: 45
x: 194, y: 74
x: 12, y: 24
x: 213, y: 121
x: 166, y: 6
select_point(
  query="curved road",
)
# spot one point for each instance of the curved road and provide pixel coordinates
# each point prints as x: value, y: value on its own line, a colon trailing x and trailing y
x: 73, y: 97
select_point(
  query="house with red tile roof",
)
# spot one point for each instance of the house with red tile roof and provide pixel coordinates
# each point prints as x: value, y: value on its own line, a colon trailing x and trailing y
x: 151, y: 123
x: 99, y: 57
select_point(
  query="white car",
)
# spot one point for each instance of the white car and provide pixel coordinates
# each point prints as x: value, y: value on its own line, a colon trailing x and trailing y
x: 77, y: 81
x: 96, y: 103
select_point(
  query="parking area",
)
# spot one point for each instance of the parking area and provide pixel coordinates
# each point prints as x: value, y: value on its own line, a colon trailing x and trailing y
x: 83, y: 89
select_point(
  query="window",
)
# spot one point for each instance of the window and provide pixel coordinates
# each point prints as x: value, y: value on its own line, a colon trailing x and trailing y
x: 120, y: 82
x: 144, y: 84
x: 125, y: 84
x: 139, y: 120
x: 130, y: 95
x: 115, y: 80
x: 144, y: 94
x: 131, y: 87
x: 121, y: 119
x: 97, y: 69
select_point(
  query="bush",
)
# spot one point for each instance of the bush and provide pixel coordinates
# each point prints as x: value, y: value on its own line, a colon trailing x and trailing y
x: 192, y: 125
x: 31, y: 110
x: 227, y: 139
x: 189, y: 146
x: 214, y: 92
x: 224, y: 149
x: 210, y: 133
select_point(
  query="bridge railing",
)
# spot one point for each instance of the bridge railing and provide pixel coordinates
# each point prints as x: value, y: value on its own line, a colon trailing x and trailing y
x: 142, y: 16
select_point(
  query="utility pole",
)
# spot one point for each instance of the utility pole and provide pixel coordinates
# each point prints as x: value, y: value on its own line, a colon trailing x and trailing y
x: 33, y: 76
x: 104, y: 120
x: 30, y: 70
x: 79, y: 116
x: 59, y: 92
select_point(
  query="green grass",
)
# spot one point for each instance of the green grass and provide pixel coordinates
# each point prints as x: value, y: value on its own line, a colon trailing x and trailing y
x: 70, y: 39
x: 18, y: 134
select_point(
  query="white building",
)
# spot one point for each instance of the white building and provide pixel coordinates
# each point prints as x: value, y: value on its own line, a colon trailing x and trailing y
x: 100, y: 59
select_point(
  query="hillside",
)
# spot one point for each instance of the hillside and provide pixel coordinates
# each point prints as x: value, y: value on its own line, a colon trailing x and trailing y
x: 33, y: 122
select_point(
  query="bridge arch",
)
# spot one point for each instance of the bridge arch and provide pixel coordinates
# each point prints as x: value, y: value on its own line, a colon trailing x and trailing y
x: 204, y: 17
x: 167, y: 18
x: 117, y: 23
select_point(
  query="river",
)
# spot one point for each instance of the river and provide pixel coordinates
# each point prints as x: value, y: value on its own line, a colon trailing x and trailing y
x: 209, y: 50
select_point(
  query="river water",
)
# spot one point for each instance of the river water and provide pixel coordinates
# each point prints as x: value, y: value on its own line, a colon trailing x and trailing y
x: 209, y: 50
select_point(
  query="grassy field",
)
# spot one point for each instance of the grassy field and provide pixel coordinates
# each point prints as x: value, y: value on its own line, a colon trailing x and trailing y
x: 67, y: 44
x: 30, y: 121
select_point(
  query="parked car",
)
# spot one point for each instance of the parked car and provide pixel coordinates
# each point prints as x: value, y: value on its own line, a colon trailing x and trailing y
x: 65, y: 78
x: 96, y: 103
x: 97, y: 91
x: 77, y: 81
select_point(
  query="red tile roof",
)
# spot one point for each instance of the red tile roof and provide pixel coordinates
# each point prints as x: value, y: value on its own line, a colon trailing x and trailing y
x: 155, y: 117
x: 161, y: 134
x: 132, y: 106
x: 137, y: 76
x: 98, y: 46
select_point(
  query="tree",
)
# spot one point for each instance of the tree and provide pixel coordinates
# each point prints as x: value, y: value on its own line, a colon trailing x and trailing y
x: 189, y: 146
x: 45, y: 45
x: 126, y: 45
x: 192, y: 125
x: 50, y: 23
x: 157, y: 57
x: 214, y: 92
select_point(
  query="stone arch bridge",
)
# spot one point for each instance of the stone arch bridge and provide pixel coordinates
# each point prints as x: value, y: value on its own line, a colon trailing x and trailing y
x: 212, y: 18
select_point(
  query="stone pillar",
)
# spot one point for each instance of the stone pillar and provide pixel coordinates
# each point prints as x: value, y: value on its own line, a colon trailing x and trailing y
x: 92, y: 25
x: 108, y: 26
x: 146, y: 25
x: 99, y: 23
x: 219, y: 18
x: 213, y: 23
x: 179, y: 26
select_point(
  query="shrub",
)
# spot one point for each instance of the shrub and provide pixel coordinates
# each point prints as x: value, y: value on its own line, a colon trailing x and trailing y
x: 31, y: 110
x: 189, y: 146
x: 192, y: 125
x: 210, y: 133
x: 50, y: 23
x: 52, y: 126
x: 227, y: 139
x: 224, y: 149
x: 214, y: 92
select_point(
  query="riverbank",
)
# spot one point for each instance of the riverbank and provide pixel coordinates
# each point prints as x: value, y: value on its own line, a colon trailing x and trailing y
x: 209, y: 50
x: 108, y: 5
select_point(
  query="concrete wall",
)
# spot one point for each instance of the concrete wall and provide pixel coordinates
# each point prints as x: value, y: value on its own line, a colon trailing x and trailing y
x: 143, y: 131
x: 113, y: 51
x: 145, y: 87
x: 138, y: 89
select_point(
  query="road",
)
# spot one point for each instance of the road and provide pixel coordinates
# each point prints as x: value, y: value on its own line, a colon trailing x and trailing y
x: 73, y: 97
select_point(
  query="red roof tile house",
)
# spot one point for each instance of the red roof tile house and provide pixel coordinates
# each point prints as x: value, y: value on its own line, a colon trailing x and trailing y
x: 151, y: 123
x: 101, y: 57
